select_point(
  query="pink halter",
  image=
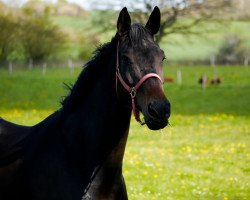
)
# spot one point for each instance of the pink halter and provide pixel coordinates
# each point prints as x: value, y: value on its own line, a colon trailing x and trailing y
x: 132, y: 90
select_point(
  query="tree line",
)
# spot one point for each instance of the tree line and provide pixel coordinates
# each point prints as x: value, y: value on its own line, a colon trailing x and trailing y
x: 25, y: 36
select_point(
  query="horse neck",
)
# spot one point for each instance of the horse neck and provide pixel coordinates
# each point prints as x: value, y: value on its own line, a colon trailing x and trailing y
x: 99, y: 124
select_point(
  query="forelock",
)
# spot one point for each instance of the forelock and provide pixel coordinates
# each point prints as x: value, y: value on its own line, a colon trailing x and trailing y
x: 139, y: 35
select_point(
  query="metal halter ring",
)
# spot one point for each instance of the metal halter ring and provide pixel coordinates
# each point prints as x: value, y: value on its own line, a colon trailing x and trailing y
x: 133, y: 92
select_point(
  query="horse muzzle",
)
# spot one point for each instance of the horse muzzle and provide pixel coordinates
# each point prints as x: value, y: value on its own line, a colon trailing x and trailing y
x: 156, y: 114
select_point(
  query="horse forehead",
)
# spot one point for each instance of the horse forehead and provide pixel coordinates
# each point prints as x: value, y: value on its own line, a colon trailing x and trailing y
x: 146, y: 54
x: 145, y: 60
x: 145, y: 43
x: 145, y: 48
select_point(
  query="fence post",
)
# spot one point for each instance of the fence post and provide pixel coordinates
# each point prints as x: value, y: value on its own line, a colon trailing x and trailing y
x: 71, y: 66
x: 179, y: 77
x: 246, y: 61
x: 44, y: 68
x: 30, y: 63
x: 212, y: 60
x: 10, y: 67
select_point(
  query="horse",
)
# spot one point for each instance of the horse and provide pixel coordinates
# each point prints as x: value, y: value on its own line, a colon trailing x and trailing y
x: 77, y: 152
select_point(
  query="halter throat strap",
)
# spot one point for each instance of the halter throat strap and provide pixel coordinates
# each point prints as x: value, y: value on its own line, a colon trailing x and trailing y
x: 133, y: 90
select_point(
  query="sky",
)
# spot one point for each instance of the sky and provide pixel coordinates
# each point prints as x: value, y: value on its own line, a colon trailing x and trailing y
x: 85, y: 3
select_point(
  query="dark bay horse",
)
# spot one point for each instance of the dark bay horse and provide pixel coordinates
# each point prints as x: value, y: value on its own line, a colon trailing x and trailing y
x: 77, y: 152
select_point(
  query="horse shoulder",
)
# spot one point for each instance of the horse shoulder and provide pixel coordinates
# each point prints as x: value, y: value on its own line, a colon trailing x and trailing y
x: 108, y: 181
x: 8, y: 172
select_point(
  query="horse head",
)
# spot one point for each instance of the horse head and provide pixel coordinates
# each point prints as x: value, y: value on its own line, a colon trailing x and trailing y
x: 139, y: 68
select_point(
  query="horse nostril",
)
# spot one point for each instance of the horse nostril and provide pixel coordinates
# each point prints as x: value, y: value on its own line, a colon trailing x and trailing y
x: 152, y: 111
x: 159, y: 110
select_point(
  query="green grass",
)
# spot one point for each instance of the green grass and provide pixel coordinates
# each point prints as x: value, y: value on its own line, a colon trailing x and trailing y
x: 207, y: 43
x: 203, y: 155
x: 230, y: 97
x: 177, y: 47
x: 198, y: 157
x: 70, y: 22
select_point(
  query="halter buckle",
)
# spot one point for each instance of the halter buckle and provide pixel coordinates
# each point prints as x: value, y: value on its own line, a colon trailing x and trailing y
x: 133, y: 92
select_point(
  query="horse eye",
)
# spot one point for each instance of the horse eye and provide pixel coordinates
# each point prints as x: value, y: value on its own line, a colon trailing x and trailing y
x: 126, y: 60
x: 163, y: 58
x: 125, y: 57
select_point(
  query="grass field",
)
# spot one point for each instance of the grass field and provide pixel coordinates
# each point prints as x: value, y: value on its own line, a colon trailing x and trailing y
x: 177, y: 47
x: 203, y: 155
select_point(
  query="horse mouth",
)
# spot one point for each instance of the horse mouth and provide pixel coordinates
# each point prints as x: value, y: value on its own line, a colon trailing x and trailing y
x: 155, y: 124
x: 156, y: 115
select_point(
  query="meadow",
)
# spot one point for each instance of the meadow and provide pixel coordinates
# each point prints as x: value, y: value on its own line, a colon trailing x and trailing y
x: 188, y: 47
x: 203, y: 155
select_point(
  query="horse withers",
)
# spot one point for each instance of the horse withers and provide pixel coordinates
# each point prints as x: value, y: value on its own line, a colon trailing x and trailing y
x: 77, y: 152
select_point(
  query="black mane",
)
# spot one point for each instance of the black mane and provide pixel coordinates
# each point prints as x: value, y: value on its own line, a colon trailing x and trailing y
x: 92, y: 70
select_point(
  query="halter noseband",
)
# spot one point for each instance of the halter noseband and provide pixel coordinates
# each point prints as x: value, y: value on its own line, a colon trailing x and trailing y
x: 133, y: 90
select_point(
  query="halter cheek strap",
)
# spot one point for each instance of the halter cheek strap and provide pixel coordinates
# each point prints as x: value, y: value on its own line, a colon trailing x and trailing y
x: 133, y: 90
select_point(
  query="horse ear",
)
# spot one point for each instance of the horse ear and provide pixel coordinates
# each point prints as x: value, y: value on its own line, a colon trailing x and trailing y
x: 154, y: 21
x: 123, y: 22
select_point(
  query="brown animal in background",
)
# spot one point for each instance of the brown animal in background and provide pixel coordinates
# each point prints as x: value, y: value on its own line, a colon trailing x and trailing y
x: 204, y: 80
x: 168, y: 79
x: 216, y: 81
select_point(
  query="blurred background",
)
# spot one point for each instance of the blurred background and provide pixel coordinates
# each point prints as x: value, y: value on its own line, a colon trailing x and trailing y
x: 192, y: 31
x: 205, y: 152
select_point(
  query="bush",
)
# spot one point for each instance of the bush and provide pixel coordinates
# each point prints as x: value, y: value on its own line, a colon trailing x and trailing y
x: 88, y: 44
x: 40, y: 38
x: 27, y: 36
x: 9, y: 29
x: 233, y: 51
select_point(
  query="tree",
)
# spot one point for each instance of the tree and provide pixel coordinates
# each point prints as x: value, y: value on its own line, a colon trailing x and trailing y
x: 9, y: 29
x: 27, y: 35
x: 177, y: 16
x: 233, y: 51
x: 40, y: 38
x: 2, y: 6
